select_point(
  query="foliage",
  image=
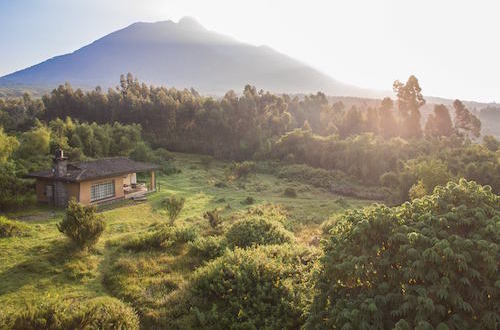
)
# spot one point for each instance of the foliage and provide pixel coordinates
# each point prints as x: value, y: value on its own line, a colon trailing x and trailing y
x: 248, y: 201
x: 14, y: 192
x: 410, y: 99
x: 11, y: 228
x: 161, y: 238
x: 207, y: 248
x: 417, y: 190
x: 174, y: 205
x: 98, y: 313
x: 439, y: 123
x: 257, y: 230
x: 82, y: 225
x: 8, y: 144
x: 465, y: 121
x: 241, y: 170
x: 268, y: 287
x: 213, y: 217
x: 429, y: 263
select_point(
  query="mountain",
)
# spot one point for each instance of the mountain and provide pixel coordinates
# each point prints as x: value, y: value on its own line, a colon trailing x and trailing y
x: 182, y: 54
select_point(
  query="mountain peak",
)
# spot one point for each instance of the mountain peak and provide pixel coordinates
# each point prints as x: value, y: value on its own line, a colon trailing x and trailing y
x: 182, y: 54
x: 190, y: 23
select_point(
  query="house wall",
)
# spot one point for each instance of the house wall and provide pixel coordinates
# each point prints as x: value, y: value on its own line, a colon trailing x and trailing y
x: 72, y: 190
x: 40, y: 190
x: 86, y: 185
x: 126, y: 179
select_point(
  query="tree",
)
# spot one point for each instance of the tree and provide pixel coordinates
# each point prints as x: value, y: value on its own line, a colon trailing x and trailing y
x: 465, y: 121
x: 439, y: 123
x: 410, y: 99
x: 8, y: 144
x: 82, y: 225
x: 388, y: 126
x: 174, y: 207
x: 431, y: 263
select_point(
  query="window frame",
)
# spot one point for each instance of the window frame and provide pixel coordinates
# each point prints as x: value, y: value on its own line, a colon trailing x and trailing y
x: 107, y: 191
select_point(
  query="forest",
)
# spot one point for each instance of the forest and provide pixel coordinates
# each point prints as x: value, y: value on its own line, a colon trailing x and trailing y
x: 278, y: 212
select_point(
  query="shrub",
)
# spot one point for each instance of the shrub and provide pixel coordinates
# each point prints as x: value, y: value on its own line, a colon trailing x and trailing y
x: 98, y: 313
x: 162, y: 238
x: 213, y: 217
x: 220, y: 184
x: 432, y: 263
x: 417, y: 190
x: 82, y: 225
x: 257, y: 230
x: 242, y: 170
x: 264, y: 288
x: 10, y: 228
x: 290, y: 192
x: 174, y: 207
x: 168, y: 168
x: 207, y: 248
x: 248, y: 201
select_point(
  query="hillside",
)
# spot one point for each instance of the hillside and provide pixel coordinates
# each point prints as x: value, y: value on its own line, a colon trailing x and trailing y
x: 182, y: 54
x: 39, y: 267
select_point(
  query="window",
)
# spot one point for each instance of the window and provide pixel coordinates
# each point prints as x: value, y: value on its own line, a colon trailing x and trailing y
x: 102, y: 191
x: 48, y: 190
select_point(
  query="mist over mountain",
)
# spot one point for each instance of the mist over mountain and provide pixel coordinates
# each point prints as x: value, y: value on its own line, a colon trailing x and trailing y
x: 183, y: 55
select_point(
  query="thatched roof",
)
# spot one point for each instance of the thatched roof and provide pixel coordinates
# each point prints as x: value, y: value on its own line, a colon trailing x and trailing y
x: 97, y: 169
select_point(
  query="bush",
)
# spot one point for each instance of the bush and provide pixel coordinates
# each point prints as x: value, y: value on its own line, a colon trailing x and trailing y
x: 213, y: 217
x: 257, y: 230
x: 10, y: 228
x: 264, y: 288
x: 82, y: 225
x: 290, y: 192
x: 207, y: 248
x: 14, y: 192
x: 162, y: 238
x: 174, y: 207
x: 98, y: 313
x: 248, y: 201
x: 242, y: 170
x: 426, y: 264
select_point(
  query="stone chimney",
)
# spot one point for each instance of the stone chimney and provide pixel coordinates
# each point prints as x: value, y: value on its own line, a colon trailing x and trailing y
x: 60, y: 170
x: 60, y: 163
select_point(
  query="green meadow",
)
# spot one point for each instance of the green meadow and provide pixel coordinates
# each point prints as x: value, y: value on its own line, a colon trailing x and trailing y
x: 40, y: 266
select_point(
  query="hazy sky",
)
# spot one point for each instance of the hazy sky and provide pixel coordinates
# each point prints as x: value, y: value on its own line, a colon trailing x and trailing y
x: 452, y: 46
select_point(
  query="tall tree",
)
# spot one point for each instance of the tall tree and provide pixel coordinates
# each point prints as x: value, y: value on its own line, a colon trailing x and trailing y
x: 388, y: 126
x: 410, y: 99
x: 439, y: 123
x: 465, y: 121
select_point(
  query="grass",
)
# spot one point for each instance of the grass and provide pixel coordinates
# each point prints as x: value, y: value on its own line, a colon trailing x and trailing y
x: 42, y: 267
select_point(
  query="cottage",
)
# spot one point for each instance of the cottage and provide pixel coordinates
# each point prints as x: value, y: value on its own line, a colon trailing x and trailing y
x: 92, y: 182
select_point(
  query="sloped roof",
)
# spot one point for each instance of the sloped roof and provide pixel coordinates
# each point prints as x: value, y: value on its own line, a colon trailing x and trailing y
x: 97, y: 169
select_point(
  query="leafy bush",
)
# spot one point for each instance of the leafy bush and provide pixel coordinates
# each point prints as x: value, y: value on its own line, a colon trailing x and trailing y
x: 82, y: 225
x: 14, y: 192
x: 213, y: 217
x: 162, y: 238
x: 290, y: 192
x: 174, y: 207
x: 426, y: 264
x: 207, y: 248
x: 264, y: 288
x: 10, y: 228
x: 248, y: 201
x: 242, y: 170
x: 98, y: 313
x: 257, y: 230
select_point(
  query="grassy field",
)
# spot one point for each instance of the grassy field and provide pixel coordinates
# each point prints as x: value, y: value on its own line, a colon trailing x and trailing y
x: 41, y: 267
